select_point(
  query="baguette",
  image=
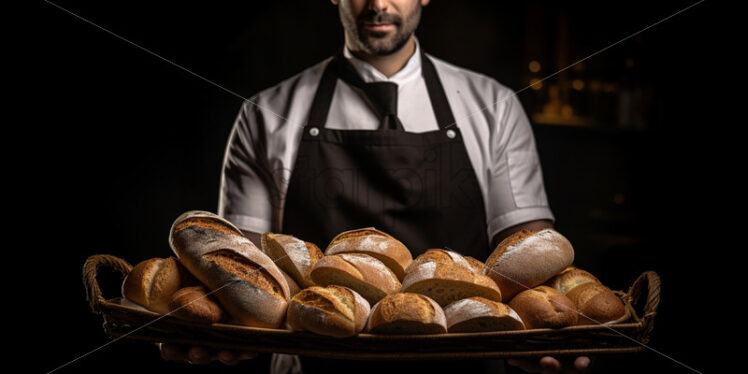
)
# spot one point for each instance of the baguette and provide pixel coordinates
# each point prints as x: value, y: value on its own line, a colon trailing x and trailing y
x: 246, y: 281
x: 294, y: 256
x: 393, y: 253
x: 333, y: 310
x: 527, y: 259
x: 440, y: 256
x: 596, y: 303
x: 358, y: 271
x: 406, y: 313
x: 544, y: 307
x: 194, y: 304
x: 478, y: 314
x: 151, y: 283
x: 446, y: 283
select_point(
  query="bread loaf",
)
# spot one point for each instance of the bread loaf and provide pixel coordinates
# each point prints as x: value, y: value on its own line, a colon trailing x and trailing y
x: 596, y: 303
x: 527, y: 259
x: 294, y: 256
x: 333, y: 310
x: 152, y: 282
x: 293, y: 288
x: 569, y: 278
x: 247, y: 283
x: 476, y: 264
x: 478, y: 314
x: 440, y: 256
x: 358, y: 271
x: 544, y: 307
x: 406, y: 313
x: 394, y: 254
x: 194, y: 304
x: 445, y: 283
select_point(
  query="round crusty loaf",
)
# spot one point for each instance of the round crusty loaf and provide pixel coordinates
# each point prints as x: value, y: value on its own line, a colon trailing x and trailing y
x: 152, y: 282
x: 477, y: 314
x: 194, y: 304
x: 294, y: 256
x: 393, y: 253
x: 440, y: 256
x: 333, y: 310
x: 528, y: 258
x: 358, y: 271
x: 569, y: 278
x: 446, y: 283
x: 596, y: 303
x: 406, y: 313
x: 544, y: 307
x: 246, y: 281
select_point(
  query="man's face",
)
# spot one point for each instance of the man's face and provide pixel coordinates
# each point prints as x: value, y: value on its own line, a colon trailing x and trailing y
x: 379, y: 27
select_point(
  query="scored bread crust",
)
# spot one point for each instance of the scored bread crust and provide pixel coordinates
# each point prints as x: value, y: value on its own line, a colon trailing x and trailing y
x: 476, y: 314
x: 194, y: 304
x: 440, y: 256
x: 596, y: 303
x: 152, y: 282
x: 527, y: 259
x: 392, y: 252
x: 569, y: 278
x: 294, y: 256
x: 446, y: 283
x: 333, y: 310
x: 406, y: 313
x: 476, y: 264
x: 544, y: 307
x: 248, y: 284
x: 363, y: 273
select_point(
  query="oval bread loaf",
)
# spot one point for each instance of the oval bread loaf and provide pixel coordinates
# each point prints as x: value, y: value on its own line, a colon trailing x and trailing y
x: 406, y: 313
x: 478, y: 314
x: 596, y: 303
x: 446, y: 283
x: 569, y: 278
x: 246, y: 282
x: 528, y: 258
x: 441, y: 256
x: 333, y: 310
x: 194, y: 304
x: 294, y: 256
x: 151, y: 283
x: 358, y: 271
x: 393, y: 253
x: 544, y: 307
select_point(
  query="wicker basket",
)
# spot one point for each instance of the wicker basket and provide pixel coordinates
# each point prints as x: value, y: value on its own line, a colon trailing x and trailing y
x: 625, y: 335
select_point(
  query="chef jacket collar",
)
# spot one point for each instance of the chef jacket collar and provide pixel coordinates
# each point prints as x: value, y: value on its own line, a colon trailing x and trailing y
x: 369, y: 73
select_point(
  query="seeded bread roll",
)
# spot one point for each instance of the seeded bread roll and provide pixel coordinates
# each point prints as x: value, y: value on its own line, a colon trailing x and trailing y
x: 596, y: 303
x: 358, y: 271
x: 446, y: 283
x: 247, y: 283
x: 294, y: 256
x: 544, y: 307
x: 528, y: 258
x: 333, y: 310
x: 393, y: 253
x: 440, y: 256
x: 478, y: 314
x: 194, y: 304
x: 569, y: 278
x: 152, y: 282
x: 406, y: 313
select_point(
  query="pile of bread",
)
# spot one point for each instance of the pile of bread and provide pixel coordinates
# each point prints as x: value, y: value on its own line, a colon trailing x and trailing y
x: 366, y: 281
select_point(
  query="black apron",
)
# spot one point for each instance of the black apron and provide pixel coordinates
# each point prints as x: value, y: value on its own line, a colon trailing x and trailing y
x: 418, y: 187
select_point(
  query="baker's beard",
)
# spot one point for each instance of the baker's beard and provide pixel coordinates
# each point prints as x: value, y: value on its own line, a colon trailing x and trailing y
x: 380, y: 43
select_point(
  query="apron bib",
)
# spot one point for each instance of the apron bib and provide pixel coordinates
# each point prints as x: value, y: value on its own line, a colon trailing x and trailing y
x: 418, y: 187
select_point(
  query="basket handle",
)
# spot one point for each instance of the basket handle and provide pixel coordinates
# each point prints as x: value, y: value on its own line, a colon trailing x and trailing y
x: 90, y: 271
x: 651, y: 280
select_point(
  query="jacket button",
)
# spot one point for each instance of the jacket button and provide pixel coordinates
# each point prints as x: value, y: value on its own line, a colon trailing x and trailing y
x: 451, y: 134
x: 313, y: 131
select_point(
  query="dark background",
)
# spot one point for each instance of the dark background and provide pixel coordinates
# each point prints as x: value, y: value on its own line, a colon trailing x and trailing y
x: 128, y: 141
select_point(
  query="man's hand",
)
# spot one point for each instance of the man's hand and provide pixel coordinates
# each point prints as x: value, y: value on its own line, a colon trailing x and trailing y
x: 549, y: 364
x: 201, y: 355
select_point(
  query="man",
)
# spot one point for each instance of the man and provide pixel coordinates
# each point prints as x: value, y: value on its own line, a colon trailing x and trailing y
x: 328, y: 150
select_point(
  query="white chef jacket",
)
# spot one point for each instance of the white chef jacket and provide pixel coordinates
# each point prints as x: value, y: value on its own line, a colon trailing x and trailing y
x: 265, y: 138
